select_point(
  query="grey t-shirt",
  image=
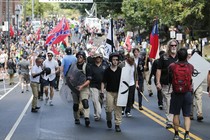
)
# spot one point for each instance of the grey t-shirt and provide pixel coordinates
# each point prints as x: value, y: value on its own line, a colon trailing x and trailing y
x: 24, y: 66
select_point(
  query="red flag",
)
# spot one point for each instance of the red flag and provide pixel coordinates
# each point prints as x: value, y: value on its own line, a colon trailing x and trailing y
x: 154, y: 41
x: 55, y: 51
x: 59, y: 33
x: 128, y: 43
x: 11, y: 31
x: 38, y: 36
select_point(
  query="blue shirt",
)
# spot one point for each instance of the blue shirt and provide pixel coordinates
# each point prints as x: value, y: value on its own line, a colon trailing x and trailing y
x: 67, y: 61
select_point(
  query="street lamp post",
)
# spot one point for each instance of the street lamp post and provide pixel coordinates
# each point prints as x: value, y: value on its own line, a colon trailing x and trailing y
x: 17, y: 12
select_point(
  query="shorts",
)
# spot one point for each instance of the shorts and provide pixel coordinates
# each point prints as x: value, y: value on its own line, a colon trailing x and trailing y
x: 181, y: 101
x: 47, y: 83
x: 25, y: 78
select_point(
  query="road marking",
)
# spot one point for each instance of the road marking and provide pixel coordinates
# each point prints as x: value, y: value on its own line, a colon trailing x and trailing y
x: 162, y: 121
x: 10, y: 134
x: 9, y: 91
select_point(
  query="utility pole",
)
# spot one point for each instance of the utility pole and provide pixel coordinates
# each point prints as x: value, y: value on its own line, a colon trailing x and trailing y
x: 32, y: 10
x: 8, y: 34
x: 24, y: 20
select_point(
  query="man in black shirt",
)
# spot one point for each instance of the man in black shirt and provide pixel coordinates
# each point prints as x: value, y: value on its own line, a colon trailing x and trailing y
x: 163, y: 79
x: 97, y: 70
x: 112, y: 80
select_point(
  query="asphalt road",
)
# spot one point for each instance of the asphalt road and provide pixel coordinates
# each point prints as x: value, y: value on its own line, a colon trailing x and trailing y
x: 57, y: 123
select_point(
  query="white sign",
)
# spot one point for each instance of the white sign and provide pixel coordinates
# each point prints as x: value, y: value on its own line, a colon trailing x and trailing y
x: 172, y: 34
x: 179, y: 36
x: 68, y: 1
x: 201, y: 67
x: 6, y: 28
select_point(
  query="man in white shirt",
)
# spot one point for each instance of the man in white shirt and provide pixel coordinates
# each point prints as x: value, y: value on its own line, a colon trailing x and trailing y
x: 49, y: 76
x: 36, y: 71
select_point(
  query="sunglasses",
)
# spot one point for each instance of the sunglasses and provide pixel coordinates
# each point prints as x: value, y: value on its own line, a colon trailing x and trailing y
x: 79, y: 56
x: 49, y: 55
x: 173, y: 45
x: 115, y: 59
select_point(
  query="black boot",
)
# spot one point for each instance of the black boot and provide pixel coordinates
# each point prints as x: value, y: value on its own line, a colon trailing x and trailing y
x: 87, y: 122
x: 109, y: 124
x: 34, y: 110
x: 117, y: 128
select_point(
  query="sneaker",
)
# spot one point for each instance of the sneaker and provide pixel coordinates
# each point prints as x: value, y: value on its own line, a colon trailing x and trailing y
x: 168, y: 126
x: 109, y: 124
x: 141, y: 108
x: 176, y: 137
x: 97, y: 118
x: 160, y: 107
x: 123, y: 113
x: 34, y: 110
x: 199, y: 118
x: 187, y: 137
x: 87, y: 122
x: 50, y: 102
x: 191, y: 117
x: 22, y: 92
x: 38, y: 107
x: 46, y: 100
x: 128, y: 115
x: 117, y: 128
x: 77, y: 121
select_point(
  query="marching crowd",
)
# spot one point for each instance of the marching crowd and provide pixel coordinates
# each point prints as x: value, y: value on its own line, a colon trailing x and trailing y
x: 93, y: 76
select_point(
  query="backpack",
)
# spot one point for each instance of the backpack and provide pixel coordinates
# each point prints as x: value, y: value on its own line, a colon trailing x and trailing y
x: 181, y: 77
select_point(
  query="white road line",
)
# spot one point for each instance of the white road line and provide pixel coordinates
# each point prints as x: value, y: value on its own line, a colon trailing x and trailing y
x: 9, y: 91
x: 10, y: 134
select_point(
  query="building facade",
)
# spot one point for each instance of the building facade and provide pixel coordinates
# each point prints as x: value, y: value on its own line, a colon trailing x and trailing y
x: 4, y: 12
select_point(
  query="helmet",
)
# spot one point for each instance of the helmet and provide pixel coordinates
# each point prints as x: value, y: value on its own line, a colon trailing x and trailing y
x: 68, y: 50
x: 97, y: 55
x: 47, y: 71
x: 112, y: 55
x: 82, y: 53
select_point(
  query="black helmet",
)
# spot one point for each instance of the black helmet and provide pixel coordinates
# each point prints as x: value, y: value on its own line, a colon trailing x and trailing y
x: 68, y: 50
x: 47, y: 71
x: 82, y: 53
x: 112, y: 55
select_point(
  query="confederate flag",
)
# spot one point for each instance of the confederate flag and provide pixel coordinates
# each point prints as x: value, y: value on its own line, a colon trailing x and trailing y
x: 59, y: 33
x: 38, y: 36
x: 154, y: 40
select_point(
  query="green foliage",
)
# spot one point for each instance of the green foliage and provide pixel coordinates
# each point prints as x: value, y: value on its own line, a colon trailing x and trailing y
x: 185, y: 13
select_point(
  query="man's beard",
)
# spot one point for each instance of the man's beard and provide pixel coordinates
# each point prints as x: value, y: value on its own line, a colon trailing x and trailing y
x: 173, y: 51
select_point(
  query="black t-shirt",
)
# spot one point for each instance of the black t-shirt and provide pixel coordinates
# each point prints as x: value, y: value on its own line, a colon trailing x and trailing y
x: 163, y: 64
x: 112, y: 79
x: 87, y: 70
x: 97, y: 75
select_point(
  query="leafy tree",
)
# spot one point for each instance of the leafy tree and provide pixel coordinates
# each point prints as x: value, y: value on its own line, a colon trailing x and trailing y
x: 183, y: 13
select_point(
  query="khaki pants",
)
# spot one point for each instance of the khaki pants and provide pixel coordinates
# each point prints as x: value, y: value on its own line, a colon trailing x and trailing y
x: 94, y: 92
x: 197, y: 101
x: 111, y: 105
x: 35, y: 92
x: 77, y: 99
x: 166, y: 102
x: 146, y: 76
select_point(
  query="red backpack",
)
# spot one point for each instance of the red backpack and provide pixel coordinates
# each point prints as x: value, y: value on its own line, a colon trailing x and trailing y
x: 181, y: 77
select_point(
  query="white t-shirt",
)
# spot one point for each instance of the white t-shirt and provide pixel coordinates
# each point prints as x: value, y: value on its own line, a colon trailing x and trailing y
x: 35, y: 69
x: 52, y: 65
